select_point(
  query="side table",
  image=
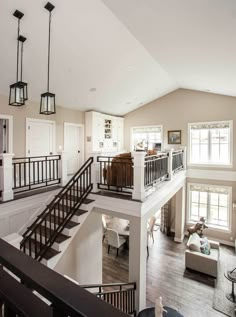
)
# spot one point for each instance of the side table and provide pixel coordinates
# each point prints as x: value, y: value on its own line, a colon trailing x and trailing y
x: 231, y: 296
x: 150, y: 312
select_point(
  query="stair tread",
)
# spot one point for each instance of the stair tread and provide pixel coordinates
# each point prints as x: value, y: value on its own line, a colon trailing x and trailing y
x: 78, y: 212
x: 50, y: 252
x: 60, y: 237
x: 69, y: 225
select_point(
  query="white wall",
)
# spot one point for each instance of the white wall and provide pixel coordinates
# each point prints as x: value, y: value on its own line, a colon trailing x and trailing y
x: 82, y: 260
x: 16, y: 215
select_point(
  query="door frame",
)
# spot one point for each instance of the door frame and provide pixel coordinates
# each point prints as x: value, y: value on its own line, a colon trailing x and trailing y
x: 81, y: 128
x: 10, y: 131
x: 28, y: 120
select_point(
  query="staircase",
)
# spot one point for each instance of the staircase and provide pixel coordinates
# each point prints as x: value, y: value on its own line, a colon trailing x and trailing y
x: 119, y: 295
x: 45, y: 239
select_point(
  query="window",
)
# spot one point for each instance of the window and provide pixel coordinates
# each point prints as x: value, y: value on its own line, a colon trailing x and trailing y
x: 150, y: 137
x: 211, y: 202
x: 210, y: 143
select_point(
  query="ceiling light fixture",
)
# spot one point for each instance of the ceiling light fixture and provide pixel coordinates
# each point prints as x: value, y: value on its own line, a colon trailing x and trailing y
x: 18, y: 91
x: 47, y: 103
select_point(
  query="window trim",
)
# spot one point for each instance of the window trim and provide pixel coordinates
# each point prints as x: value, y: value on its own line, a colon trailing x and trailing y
x: 212, y: 165
x: 210, y: 226
x: 146, y: 126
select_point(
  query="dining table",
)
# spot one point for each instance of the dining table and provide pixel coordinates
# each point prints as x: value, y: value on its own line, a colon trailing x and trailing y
x: 120, y: 225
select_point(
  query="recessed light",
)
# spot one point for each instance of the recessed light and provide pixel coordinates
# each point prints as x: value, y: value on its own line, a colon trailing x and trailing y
x: 93, y: 89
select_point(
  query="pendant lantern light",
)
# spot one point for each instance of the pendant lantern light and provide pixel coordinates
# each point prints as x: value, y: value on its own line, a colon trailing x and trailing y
x: 18, y: 91
x: 47, y: 104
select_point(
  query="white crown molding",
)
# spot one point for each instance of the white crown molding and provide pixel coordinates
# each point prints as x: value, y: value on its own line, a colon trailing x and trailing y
x: 212, y: 174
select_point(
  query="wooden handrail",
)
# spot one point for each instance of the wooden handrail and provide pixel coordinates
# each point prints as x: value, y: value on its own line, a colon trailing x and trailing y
x: 109, y: 285
x: 66, y: 297
x: 16, y: 295
x: 64, y: 195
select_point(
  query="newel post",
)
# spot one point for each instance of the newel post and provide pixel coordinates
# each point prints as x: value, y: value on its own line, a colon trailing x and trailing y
x: 139, y: 175
x: 170, y: 160
x: 63, y: 169
x: 95, y: 171
x: 6, y: 176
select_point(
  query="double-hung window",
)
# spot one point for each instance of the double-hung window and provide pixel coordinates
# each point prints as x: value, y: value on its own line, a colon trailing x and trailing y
x: 211, y: 202
x: 150, y: 137
x: 210, y: 143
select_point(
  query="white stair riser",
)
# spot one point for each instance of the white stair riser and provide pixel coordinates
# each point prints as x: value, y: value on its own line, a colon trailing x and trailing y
x: 56, y: 246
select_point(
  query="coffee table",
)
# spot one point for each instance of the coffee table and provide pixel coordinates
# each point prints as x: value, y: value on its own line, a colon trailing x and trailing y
x: 231, y: 296
x: 150, y: 312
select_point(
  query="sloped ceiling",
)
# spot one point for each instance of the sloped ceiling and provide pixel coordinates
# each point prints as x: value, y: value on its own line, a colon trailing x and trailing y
x: 113, y: 56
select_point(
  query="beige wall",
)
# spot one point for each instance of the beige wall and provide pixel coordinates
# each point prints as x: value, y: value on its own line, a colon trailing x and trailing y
x: 175, y: 110
x: 31, y: 110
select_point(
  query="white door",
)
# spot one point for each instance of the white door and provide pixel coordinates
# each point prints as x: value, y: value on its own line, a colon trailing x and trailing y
x: 40, y: 137
x: 74, y: 146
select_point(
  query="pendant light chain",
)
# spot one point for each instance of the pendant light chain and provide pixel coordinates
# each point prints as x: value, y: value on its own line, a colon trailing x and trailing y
x: 49, y: 49
x: 18, y: 44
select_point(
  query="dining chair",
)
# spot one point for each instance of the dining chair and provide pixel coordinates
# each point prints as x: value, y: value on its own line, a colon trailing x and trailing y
x: 151, y: 225
x: 114, y: 240
x: 104, y: 227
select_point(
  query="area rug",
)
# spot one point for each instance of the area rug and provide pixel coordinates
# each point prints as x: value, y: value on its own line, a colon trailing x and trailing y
x: 223, y: 286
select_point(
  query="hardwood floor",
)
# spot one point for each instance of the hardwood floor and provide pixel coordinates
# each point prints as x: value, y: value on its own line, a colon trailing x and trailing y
x: 165, y: 277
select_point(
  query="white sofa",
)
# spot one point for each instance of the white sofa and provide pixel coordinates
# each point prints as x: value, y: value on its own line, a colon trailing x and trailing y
x: 197, y: 261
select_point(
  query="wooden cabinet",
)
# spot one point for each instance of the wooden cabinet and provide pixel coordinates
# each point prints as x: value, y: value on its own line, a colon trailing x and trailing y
x: 103, y: 133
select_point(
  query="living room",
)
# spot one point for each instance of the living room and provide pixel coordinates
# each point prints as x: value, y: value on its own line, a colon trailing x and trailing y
x: 150, y: 65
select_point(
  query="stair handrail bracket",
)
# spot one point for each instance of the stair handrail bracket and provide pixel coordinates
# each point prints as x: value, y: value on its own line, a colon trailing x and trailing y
x: 58, y: 213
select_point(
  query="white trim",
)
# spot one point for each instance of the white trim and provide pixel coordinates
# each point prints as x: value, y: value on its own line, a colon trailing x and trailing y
x: 178, y: 239
x: 230, y: 210
x: 230, y: 164
x: 10, y: 131
x: 212, y: 174
x: 146, y: 126
x: 81, y: 126
x: 28, y: 120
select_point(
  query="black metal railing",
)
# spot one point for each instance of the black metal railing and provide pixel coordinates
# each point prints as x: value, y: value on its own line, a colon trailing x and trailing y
x: 116, y: 173
x: 177, y: 160
x: 41, y: 235
x: 156, y: 169
x: 119, y: 295
x: 35, y: 172
x: 64, y: 297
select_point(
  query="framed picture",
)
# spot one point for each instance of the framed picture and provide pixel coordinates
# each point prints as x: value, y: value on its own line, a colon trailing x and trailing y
x: 174, y: 137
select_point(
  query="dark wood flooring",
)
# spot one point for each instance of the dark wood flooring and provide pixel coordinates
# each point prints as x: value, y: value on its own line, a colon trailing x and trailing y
x: 191, y: 295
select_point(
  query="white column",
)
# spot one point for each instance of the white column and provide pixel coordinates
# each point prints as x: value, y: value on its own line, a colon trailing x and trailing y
x: 63, y: 169
x: 95, y: 170
x: 138, y: 259
x: 184, y: 157
x: 139, y: 169
x: 6, y: 176
x: 180, y: 214
x: 170, y: 160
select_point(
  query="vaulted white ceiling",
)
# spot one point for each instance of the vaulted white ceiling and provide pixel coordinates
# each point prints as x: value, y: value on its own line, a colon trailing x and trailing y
x: 113, y: 56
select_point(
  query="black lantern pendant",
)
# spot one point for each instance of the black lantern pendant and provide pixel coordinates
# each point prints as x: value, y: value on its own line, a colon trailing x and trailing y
x: 18, y: 91
x: 47, y: 104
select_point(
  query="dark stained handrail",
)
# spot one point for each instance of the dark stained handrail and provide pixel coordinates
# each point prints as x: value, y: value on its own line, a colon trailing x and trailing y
x: 120, y: 295
x: 49, y: 214
x: 67, y: 298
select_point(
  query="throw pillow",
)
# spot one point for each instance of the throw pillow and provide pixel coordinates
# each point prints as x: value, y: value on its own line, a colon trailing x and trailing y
x: 194, y: 243
x: 205, y: 248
